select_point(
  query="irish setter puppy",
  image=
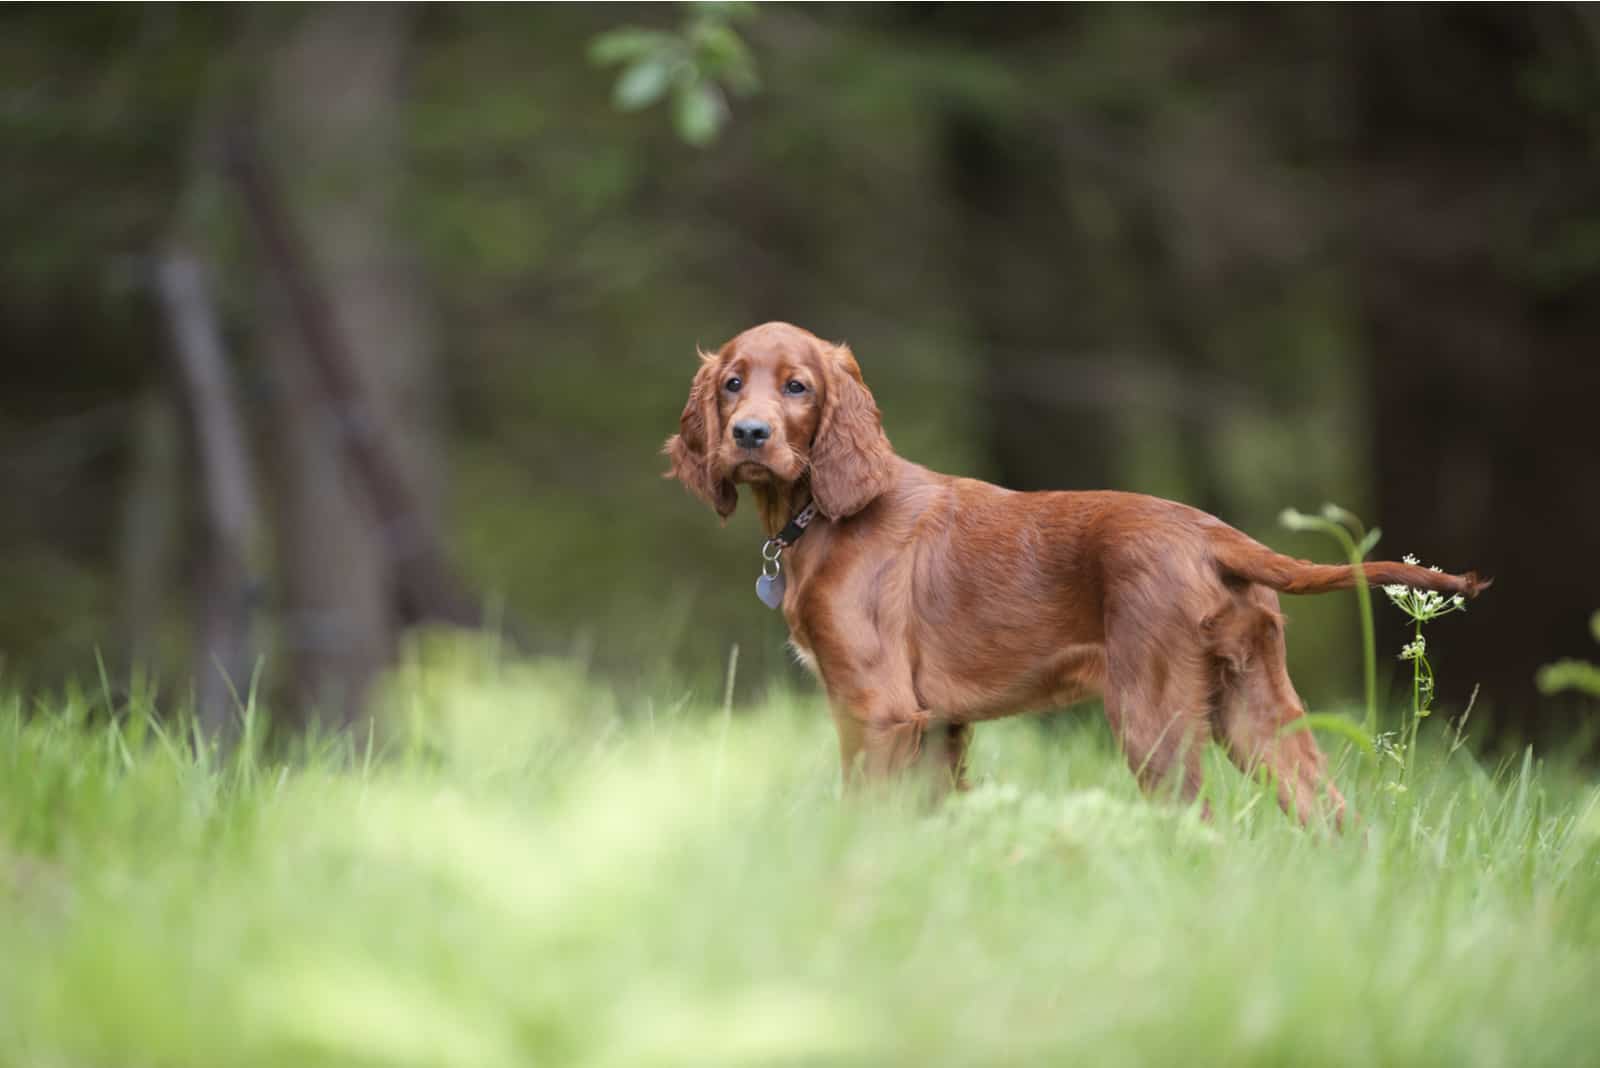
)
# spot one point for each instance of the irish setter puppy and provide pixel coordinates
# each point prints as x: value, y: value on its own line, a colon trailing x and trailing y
x: 926, y: 603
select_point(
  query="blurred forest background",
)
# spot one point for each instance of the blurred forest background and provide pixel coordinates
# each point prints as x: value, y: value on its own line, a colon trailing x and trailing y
x: 323, y: 324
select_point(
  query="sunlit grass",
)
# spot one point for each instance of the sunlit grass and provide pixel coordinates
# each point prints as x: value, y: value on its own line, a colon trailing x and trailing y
x: 529, y: 872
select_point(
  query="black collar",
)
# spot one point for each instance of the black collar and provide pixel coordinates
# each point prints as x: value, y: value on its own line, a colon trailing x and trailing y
x: 769, y: 587
x: 797, y: 526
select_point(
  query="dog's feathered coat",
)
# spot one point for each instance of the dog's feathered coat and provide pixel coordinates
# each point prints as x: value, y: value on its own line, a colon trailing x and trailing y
x: 926, y: 602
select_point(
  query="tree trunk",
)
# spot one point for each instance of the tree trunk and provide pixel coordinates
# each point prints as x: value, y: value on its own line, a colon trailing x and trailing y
x: 331, y: 119
x: 223, y: 655
x: 148, y: 535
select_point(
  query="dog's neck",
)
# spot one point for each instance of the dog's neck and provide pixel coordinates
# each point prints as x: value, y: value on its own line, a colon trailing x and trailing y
x: 777, y: 502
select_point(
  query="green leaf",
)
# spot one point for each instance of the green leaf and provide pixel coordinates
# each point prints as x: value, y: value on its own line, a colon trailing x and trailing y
x: 719, y: 44
x: 1369, y: 542
x: 627, y: 44
x: 1335, y: 724
x: 643, y: 84
x: 699, y: 113
x: 1297, y: 520
x: 723, y: 55
x: 1569, y: 675
x: 1343, y: 516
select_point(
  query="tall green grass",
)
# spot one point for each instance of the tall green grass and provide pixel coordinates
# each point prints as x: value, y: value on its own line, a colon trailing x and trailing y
x: 527, y: 872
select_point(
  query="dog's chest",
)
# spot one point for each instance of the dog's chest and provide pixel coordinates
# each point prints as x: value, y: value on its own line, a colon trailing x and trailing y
x: 795, y: 594
x: 803, y: 654
x: 799, y: 640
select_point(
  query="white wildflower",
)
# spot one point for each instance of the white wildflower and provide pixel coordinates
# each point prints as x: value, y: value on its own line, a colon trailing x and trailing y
x: 1458, y: 601
x: 1411, y: 559
x: 1414, y: 649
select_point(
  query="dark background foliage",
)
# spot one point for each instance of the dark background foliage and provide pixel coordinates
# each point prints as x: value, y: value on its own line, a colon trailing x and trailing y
x: 1243, y: 257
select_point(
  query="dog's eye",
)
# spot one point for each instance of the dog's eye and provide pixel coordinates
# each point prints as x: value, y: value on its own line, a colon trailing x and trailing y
x: 734, y: 384
x: 795, y: 386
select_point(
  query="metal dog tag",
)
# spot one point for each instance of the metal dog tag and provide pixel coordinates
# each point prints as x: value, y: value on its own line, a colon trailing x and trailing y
x: 770, y: 589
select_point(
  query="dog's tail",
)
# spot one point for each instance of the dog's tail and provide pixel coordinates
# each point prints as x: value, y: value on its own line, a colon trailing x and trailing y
x: 1245, y: 558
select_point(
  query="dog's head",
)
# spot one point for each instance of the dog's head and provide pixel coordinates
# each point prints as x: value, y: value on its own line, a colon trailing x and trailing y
x: 777, y: 405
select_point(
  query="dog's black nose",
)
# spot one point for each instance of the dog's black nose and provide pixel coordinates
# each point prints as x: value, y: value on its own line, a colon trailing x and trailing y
x: 751, y: 433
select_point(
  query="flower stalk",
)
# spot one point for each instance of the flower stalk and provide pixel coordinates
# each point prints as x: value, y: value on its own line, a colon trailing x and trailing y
x: 1421, y: 606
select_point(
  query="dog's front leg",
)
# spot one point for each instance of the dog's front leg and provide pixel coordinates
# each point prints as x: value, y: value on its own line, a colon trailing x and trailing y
x: 886, y: 745
x: 950, y: 742
x: 851, y: 738
x: 875, y: 709
x: 892, y: 743
x: 878, y: 742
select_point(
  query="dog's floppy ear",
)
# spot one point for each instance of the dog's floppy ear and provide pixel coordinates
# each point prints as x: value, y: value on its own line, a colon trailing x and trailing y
x: 693, y: 449
x: 851, y: 460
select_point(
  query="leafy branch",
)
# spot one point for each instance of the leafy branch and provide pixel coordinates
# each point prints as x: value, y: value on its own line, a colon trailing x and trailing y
x: 697, y: 66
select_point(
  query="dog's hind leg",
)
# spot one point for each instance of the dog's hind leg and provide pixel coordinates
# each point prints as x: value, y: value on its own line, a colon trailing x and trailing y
x: 1257, y: 708
x: 1158, y: 701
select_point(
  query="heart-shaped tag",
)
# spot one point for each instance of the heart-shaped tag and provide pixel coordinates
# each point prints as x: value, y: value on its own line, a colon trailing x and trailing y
x: 770, y: 589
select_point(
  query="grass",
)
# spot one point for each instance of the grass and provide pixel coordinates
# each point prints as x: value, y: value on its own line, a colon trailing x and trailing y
x: 527, y: 872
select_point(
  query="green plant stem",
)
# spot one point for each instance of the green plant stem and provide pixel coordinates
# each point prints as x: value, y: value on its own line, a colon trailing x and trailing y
x: 1416, y: 677
x: 1356, y: 545
x: 1369, y: 642
x: 1369, y: 646
x: 1416, y: 706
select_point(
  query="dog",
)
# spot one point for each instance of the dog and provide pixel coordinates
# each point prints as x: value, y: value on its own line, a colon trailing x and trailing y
x: 926, y: 603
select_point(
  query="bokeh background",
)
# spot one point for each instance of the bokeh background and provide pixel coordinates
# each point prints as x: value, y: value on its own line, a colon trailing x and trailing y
x: 325, y: 324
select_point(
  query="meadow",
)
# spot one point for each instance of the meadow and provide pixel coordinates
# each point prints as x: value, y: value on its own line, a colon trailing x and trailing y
x: 530, y: 869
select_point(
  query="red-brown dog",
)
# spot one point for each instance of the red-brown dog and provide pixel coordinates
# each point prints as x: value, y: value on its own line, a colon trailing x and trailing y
x: 926, y: 603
